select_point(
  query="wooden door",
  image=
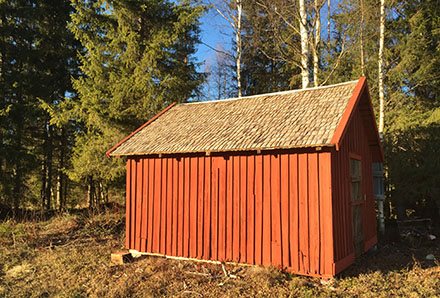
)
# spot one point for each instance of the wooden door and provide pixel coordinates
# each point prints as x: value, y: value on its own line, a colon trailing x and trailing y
x: 357, y: 205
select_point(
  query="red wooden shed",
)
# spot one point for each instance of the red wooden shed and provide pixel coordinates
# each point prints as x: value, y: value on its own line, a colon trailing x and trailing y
x: 281, y: 179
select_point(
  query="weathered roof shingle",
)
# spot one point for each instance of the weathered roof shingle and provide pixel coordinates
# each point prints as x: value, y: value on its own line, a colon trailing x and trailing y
x: 298, y: 118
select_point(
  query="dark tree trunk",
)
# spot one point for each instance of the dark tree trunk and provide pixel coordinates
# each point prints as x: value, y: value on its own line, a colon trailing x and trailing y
x: 18, y: 171
x: 49, y: 154
x: 91, y: 192
x: 43, y: 186
x: 60, y: 195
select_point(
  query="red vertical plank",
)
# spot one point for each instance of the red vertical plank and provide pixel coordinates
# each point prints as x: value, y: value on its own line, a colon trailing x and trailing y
x: 207, y: 209
x: 157, y: 204
x: 144, y: 204
x: 150, y: 204
x: 242, y: 219
x: 169, y: 205
x: 214, y: 208
x: 193, y: 206
x: 133, y: 204
x: 200, y: 206
x: 258, y: 209
x: 163, y: 208
x: 285, y: 221
x: 249, y: 211
x: 326, y: 226
x: 222, y: 210
x: 186, y: 198
x: 335, y: 204
x: 303, y: 214
x: 229, y: 207
x: 180, y: 220
x: 314, y: 218
x: 138, y: 204
x: 128, y: 205
x: 236, y: 209
x: 275, y: 181
x: 294, y: 211
x: 175, y: 217
x: 267, y: 212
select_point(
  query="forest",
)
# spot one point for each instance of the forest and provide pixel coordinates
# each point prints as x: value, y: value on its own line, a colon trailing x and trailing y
x: 78, y: 76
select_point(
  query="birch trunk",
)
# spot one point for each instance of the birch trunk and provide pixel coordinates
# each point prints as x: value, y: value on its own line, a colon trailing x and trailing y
x: 317, y: 40
x: 328, y: 21
x: 362, y: 38
x: 304, y: 45
x: 380, y: 68
x: 239, y: 46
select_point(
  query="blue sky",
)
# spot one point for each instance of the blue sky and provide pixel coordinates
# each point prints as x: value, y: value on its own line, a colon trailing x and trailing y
x: 216, y: 31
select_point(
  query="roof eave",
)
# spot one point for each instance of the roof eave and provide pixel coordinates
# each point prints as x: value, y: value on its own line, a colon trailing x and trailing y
x: 342, y: 127
x: 109, y: 152
x: 225, y: 151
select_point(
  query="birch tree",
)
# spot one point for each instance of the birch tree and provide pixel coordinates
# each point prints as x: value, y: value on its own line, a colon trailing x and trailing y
x: 380, y: 67
x: 232, y: 12
x: 304, y: 45
x: 328, y: 20
x: 316, y: 36
x: 361, y: 37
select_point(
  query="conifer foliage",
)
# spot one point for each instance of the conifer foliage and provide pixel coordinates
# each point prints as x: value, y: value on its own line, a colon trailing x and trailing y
x: 137, y: 60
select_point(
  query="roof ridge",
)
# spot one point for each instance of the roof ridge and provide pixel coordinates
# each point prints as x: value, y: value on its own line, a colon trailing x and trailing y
x: 269, y: 94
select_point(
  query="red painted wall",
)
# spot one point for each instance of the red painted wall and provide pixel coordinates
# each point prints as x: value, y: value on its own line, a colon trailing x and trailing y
x: 355, y: 141
x: 271, y: 208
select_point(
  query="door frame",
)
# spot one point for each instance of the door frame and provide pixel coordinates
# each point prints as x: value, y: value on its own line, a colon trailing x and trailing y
x: 360, y: 203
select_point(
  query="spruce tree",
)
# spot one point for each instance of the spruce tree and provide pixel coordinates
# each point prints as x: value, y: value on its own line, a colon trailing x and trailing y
x: 37, y: 57
x: 137, y: 60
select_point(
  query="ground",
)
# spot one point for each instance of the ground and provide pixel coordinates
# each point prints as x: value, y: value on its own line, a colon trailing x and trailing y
x: 69, y: 256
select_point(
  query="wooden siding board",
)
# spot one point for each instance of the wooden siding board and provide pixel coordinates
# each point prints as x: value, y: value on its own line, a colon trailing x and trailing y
x: 186, y: 206
x: 175, y: 206
x: 239, y: 184
x: 215, y: 207
x: 200, y: 205
x: 128, y: 205
x: 222, y: 209
x: 294, y: 211
x: 242, y: 204
x: 258, y: 209
x: 207, y: 210
x: 314, y: 218
x: 169, y: 211
x: 303, y: 210
x: 133, y: 203
x: 229, y: 228
x: 157, y: 204
x: 144, y: 205
x: 250, y: 211
x: 326, y: 227
x: 180, y: 207
x: 138, y: 199
x: 150, y: 204
x: 285, y: 220
x: 163, y: 206
x: 267, y: 212
x: 276, y: 258
x: 193, y: 206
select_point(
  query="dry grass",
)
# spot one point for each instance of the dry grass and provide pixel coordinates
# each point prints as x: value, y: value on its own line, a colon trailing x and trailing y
x: 69, y: 256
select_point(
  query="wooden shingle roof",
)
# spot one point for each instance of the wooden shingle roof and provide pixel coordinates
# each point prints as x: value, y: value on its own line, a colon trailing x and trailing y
x: 290, y: 119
